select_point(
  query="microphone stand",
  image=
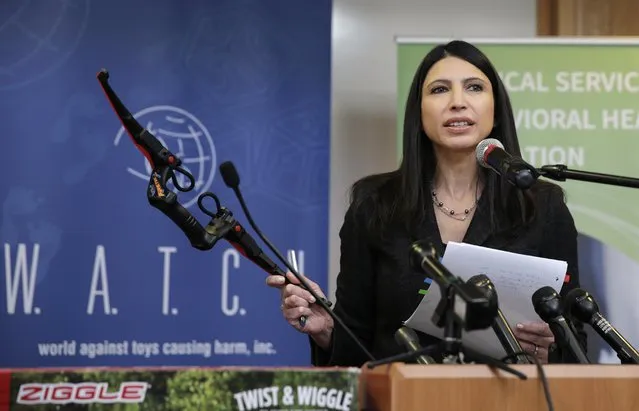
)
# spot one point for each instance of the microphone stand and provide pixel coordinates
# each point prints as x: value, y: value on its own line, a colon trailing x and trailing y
x: 560, y: 172
x: 451, y: 345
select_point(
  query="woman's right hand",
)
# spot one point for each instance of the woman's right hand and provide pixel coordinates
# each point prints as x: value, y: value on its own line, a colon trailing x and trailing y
x: 297, y: 302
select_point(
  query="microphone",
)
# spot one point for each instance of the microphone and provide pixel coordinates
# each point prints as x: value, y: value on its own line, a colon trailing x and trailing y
x: 490, y: 154
x: 582, y: 306
x: 408, y: 338
x: 232, y: 180
x: 549, y: 307
x: 500, y: 325
x: 473, y: 311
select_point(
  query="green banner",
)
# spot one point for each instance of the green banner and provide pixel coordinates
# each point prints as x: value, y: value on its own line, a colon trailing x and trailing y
x: 576, y: 102
x: 197, y: 389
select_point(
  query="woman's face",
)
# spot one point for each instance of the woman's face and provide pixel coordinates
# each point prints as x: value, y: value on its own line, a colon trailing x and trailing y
x: 457, y: 105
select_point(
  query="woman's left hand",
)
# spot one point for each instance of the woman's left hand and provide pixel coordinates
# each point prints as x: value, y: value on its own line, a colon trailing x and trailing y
x: 535, y: 338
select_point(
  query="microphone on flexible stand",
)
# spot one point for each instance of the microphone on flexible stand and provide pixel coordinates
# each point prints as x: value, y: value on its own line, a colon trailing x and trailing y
x: 490, y: 154
x: 548, y: 305
x: 408, y: 338
x: 581, y: 305
x: 232, y: 180
x: 500, y: 325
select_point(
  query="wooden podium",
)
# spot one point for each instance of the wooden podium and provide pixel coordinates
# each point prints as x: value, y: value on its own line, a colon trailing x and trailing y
x: 471, y: 387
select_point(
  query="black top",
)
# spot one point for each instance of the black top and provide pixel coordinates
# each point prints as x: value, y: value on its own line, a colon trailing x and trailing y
x: 377, y: 289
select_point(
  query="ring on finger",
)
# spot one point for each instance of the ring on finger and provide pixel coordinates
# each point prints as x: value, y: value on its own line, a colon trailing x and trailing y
x: 536, y: 349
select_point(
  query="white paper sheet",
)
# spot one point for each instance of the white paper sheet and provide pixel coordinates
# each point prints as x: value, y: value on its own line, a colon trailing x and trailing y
x: 515, y: 277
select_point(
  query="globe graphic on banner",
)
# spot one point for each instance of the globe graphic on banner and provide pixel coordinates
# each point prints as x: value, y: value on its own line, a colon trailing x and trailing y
x: 186, y: 137
x: 37, y: 37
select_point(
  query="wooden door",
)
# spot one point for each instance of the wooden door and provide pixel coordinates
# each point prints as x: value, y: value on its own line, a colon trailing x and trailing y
x: 588, y: 17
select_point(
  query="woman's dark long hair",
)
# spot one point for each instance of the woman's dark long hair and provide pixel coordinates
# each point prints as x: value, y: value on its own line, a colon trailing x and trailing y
x: 402, y: 196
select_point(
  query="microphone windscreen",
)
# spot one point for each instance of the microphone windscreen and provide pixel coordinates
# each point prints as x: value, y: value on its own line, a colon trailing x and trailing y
x: 480, y: 150
x: 543, y: 294
x: 483, y: 282
x: 103, y: 74
x: 547, y: 303
x: 229, y: 174
x: 580, y: 305
x: 573, y: 295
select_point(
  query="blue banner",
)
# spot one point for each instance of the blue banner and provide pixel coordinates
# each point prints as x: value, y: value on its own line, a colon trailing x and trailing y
x: 95, y: 276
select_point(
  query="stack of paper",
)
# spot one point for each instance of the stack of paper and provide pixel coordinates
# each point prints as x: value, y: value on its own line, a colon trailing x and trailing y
x: 515, y: 277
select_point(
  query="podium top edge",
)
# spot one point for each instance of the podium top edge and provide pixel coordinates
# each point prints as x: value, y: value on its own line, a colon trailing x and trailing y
x: 239, y: 368
x: 555, y: 371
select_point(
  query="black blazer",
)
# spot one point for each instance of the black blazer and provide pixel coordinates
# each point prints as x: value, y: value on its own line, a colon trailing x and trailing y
x: 377, y: 290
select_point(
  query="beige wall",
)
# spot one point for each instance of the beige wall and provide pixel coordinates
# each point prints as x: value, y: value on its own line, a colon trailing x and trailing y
x: 364, y: 76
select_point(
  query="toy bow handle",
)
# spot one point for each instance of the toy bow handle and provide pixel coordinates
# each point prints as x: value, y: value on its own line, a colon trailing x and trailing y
x: 164, y: 164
